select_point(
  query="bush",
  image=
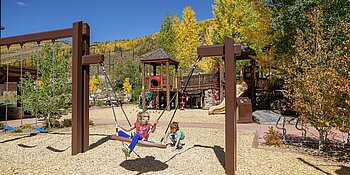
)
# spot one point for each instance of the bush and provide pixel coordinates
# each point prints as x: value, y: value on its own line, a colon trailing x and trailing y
x: 17, y: 130
x: 27, y: 126
x: 273, y: 137
x: 67, y: 123
x: 100, y: 103
x: 2, y: 124
x: 51, y: 123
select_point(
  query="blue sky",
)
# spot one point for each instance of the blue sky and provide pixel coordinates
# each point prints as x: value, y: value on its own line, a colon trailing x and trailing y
x: 108, y: 19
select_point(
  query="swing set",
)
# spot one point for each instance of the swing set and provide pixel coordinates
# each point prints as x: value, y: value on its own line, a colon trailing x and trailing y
x: 80, y: 33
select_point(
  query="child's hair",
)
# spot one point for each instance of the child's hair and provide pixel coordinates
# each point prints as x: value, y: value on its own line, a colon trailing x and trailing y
x: 174, y: 125
x: 145, y: 114
x: 139, y: 115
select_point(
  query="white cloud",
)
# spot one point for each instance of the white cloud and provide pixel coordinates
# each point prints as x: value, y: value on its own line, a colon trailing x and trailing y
x: 21, y: 3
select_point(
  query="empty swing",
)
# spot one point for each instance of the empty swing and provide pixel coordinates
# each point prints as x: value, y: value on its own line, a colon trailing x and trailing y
x: 7, y: 127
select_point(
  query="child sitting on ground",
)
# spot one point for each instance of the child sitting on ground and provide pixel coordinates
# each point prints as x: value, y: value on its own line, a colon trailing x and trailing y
x: 176, y: 135
x: 143, y: 128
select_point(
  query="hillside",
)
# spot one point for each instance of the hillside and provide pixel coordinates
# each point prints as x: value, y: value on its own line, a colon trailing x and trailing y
x: 132, y: 48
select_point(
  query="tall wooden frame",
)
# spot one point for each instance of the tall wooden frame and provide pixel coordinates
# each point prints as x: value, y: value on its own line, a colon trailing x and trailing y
x: 80, y: 34
x: 228, y: 51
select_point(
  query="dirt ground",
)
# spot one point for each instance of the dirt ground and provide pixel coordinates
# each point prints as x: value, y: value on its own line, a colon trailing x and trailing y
x: 203, y: 152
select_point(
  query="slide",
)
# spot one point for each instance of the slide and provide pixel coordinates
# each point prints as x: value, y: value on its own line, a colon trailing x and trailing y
x: 220, y: 109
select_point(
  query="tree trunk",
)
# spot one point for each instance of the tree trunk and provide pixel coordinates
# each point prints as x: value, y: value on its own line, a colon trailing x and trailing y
x: 322, y: 139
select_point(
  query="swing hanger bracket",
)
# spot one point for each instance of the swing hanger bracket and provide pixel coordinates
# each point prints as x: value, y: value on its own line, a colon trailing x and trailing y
x: 93, y: 59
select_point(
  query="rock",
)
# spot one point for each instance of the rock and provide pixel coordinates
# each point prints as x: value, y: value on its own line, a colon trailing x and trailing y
x: 265, y: 117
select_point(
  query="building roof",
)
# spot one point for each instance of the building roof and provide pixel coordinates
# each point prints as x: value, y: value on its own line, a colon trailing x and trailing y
x: 158, y: 57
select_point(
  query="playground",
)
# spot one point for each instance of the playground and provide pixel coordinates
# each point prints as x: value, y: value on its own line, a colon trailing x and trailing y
x: 235, y: 93
x: 201, y: 154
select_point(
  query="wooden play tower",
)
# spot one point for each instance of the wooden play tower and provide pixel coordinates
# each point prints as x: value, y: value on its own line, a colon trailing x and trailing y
x: 153, y: 79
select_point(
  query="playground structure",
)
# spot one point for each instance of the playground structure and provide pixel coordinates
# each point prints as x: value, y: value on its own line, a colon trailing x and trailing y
x: 154, y: 82
x: 220, y: 109
x: 80, y: 34
x: 207, y: 90
x: 9, y: 79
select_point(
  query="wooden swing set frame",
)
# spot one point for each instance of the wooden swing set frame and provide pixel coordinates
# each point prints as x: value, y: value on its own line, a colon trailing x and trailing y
x: 81, y: 59
x: 80, y: 34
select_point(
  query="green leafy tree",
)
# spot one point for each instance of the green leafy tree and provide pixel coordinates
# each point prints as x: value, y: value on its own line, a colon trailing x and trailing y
x: 166, y: 37
x: 319, y: 77
x: 125, y: 68
x: 53, y: 87
x: 290, y: 18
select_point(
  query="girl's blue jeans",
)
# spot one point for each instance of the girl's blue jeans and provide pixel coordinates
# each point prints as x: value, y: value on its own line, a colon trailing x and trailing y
x: 134, y: 140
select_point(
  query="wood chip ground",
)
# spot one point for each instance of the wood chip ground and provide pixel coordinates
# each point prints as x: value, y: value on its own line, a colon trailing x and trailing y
x: 203, y: 152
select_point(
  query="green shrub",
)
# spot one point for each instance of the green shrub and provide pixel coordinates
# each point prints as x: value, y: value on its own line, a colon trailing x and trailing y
x: 51, y: 123
x: 27, y: 126
x: 17, y: 130
x: 273, y: 137
x: 67, y: 123
x: 100, y: 103
x: 2, y: 124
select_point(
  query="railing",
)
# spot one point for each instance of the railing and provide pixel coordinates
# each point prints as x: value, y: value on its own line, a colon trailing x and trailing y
x: 197, y: 82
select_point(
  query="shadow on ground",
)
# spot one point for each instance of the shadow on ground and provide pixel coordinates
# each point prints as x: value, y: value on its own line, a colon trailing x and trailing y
x: 18, y: 138
x: 144, y: 165
x: 343, y: 170
x: 218, y: 150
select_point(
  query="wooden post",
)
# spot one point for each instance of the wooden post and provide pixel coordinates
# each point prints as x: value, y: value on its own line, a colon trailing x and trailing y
x: 86, y: 79
x: 177, y: 86
x: 221, y: 83
x: 77, y: 90
x: 167, y: 86
x: 143, y: 87
x: 230, y: 107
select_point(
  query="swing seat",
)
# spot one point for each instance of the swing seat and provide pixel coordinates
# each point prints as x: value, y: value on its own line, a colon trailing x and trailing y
x: 140, y: 142
x: 9, y: 128
x: 40, y: 130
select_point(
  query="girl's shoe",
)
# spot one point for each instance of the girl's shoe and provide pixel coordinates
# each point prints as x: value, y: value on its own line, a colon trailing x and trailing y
x: 126, y: 152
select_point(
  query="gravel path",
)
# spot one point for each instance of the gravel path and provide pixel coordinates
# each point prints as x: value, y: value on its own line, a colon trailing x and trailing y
x: 202, y: 154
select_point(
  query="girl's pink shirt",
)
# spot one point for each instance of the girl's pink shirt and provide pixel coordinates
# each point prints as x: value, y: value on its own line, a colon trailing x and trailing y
x: 142, y: 130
